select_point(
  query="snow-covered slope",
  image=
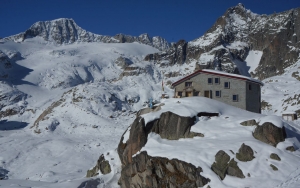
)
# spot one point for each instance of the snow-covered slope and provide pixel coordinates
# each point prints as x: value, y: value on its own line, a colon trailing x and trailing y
x: 281, y: 94
x: 61, y: 106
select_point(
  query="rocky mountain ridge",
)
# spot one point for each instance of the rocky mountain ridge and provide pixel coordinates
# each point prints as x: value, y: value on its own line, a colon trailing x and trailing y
x: 66, y: 31
x: 228, y: 43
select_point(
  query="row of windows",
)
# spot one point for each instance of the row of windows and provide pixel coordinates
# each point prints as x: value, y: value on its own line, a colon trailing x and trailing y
x: 235, y: 98
x: 217, y: 81
x: 210, y: 80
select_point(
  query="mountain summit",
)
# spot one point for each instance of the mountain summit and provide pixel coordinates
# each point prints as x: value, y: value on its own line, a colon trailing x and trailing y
x: 66, y: 31
x: 241, y: 39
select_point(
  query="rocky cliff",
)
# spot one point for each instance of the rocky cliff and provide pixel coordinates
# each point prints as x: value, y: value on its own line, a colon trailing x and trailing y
x: 66, y: 31
x: 235, y: 36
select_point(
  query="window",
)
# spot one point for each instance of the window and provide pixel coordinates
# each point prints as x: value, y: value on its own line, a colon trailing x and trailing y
x: 249, y: 86
x: 209, y: 80
x: 226, y: 85
x: 218, y: 93
x: 188, y: 84
x: 217, y: 80
x: 235, y: 98
x: 180, y: 93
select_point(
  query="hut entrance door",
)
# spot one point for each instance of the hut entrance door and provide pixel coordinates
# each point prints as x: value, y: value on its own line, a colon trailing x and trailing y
x: 207, y: 94
x: 189, y: 94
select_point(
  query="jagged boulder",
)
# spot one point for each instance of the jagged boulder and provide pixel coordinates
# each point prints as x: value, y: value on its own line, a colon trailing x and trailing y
x: 245, y: 153
x: 224, y: 166
x: 145, y: 171
x: 157, y: 172
x: 269, y: 134
x: 170, y: 126
x: 221, y: 163
x: 290, y: 148
x: 234, y: 170
x: 275, y: 157
x: 102, y: 165
x: 137, y: 139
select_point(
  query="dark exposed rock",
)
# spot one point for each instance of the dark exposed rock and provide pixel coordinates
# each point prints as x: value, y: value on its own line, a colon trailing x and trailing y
x: 102, y: 165
x: 245, y: 153
x: 170, y: 126
x: 249, y: 122
x: 273, y: 167
x: 123, y: 62
x: 234, y: 170
x: 137, y: 139
x: 175, y: 55
x: 224, y: 166
x: 221, y: 163
x: 3, y: 173
x: 93, y: 183
x: 269, y: 133
x: 275, y: 157
x: 290, y: 148
x: 265, y: 105
x: 158, y: 172
x: 8, y: 112
x: 145, y: 171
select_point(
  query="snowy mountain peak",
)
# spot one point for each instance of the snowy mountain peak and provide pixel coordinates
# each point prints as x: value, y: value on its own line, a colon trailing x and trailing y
x: 66, y: 31
x: 243, y: 42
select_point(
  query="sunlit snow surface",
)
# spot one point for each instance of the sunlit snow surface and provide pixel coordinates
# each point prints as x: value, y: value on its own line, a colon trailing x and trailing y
x: 225, y: 133
x: 97, y: 106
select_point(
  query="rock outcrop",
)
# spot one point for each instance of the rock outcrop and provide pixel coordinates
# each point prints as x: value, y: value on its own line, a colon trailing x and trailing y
x: 170, y: 126
x: 158, y: 172
x: 224, y: 166
x: 102, y: 165
x: 123, y: 62
x: 269, y: 134
x: 245, y: 153
x: 143, y: 170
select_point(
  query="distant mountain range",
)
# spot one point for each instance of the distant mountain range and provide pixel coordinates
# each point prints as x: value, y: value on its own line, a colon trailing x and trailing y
x: 66, y: 31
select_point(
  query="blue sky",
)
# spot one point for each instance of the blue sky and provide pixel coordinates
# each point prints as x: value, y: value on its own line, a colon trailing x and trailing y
x: 171, y: 19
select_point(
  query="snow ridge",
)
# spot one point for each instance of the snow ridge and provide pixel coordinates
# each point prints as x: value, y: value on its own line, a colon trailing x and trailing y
x: 66, y: 31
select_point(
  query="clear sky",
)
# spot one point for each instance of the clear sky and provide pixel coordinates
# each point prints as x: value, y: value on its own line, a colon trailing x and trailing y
x: 171, y: 19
